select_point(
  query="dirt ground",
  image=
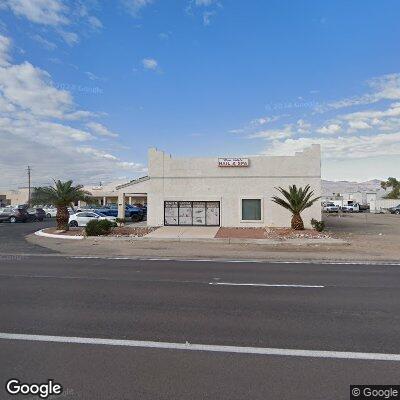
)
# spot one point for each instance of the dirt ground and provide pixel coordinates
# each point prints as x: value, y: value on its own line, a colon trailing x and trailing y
x: 370, y: 237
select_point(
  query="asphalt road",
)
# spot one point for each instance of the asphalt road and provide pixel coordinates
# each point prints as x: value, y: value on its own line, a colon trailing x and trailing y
x: 12, y: 237
x: 345, y: 308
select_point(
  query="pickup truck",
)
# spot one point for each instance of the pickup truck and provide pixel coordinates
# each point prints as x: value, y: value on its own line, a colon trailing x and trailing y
x: 331, y: 208
x: 350, y: 208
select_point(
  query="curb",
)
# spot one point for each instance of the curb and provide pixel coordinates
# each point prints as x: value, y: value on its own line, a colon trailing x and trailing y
x: 53, y: 236
x: 296, y: 242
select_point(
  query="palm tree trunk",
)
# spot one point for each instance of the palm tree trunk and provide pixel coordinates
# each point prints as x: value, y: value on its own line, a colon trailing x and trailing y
x: 62, y: 218
x: 297, y: 222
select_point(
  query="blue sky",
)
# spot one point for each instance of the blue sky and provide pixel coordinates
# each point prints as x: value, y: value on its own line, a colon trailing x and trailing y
x: 87, y: 86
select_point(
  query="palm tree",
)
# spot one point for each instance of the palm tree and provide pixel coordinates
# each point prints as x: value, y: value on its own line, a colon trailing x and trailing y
x: 62, y: 195
x: 395, y: 185
x: 296, y: 201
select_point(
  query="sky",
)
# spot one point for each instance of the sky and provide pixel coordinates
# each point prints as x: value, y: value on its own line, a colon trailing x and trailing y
x: 86, y: 87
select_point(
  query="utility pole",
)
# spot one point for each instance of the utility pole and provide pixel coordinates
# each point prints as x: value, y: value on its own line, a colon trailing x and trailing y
x: 29, y: 185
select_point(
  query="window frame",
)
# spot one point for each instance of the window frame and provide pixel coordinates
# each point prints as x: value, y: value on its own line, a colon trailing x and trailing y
x: 258, y: 221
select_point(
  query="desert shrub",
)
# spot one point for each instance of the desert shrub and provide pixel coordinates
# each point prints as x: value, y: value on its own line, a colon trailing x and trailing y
x: 319, y: 226
x: 99, y: 227
x: 121, y: 221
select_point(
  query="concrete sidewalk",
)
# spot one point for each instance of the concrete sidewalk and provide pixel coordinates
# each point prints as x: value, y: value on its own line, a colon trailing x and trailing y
x: 187, y: 232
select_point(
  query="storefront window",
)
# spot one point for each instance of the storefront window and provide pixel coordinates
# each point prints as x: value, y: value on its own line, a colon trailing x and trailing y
x: 251, y: 209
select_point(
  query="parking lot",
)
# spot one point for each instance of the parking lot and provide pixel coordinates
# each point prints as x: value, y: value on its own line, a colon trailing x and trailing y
x: 363, y: 224
x: 12, y: 237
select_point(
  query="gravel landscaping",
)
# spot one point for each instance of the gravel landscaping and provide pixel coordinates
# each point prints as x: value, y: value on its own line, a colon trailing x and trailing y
x: 120, y: 231
x: 270, y: 233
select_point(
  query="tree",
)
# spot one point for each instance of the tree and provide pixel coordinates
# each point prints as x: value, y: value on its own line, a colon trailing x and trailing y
x: 296, y: 200
x: 395, y: 185
x: 62, y: 195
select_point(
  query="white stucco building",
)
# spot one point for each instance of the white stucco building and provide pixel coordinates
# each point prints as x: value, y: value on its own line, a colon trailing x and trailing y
x: 228, y: 192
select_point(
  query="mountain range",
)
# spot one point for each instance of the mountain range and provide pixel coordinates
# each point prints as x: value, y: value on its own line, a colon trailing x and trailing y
x: 330, y: 187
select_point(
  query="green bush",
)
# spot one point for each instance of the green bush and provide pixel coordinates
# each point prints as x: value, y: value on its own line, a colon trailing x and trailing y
x: 99, y: 227
x: 121, y: 221
x: 319, y: 226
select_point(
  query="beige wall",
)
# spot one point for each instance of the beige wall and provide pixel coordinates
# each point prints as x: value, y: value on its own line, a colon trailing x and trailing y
x: 199, y: 179
x: 16, y: 197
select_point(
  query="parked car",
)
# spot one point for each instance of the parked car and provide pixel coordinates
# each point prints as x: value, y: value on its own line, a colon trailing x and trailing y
x: 110, y: 212
x: 36, y: 214
x: 51, y: 212
x: 395, y: 210
x: 83, y: 217
x: 350, y: 208
x: 331, y: 208
x: 136, y: 214
x: 13, y: 214
x: 364, y: 207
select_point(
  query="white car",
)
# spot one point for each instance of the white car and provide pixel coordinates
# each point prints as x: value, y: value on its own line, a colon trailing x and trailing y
x: 83, y: 217
x: 51, y: 212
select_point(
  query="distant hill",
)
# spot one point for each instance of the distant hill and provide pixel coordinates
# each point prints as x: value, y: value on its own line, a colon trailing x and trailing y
x: 330, y: 187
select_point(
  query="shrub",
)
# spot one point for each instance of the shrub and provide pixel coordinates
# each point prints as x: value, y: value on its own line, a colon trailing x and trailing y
x: 121, y: 221
x: 99, y: 227
x: 319, y: 226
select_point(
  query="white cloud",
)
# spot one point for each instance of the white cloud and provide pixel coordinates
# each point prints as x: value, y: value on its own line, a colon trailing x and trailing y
x: 30, y: 89
x: 150, y: 63
x: 208, y: 9
x: 5, y: 44
x: 71, y: 38
x: 45, y: 12
x: 94, y: 22
x: 329, y: 129
x: 47, y: 44
x: 96, y: 153
x: 56, y: 14
x: 34, y: 129
x: 92, y: 76
x: 385, y: 87
x: 273, y: 134
x: 358, y: 125
x: 100, y: 129
x: 135, y: 6
x: 206, y: 3
x: 383, y: 144
x: 303, y: 126
x: 207, y: 15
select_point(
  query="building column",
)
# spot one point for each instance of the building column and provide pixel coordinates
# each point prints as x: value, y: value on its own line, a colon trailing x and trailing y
x: 130, y: 200
x: 104, y: 200
x: 121, y: 205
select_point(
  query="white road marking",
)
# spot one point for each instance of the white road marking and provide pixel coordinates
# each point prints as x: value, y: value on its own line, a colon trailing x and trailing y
x: 154, y: 280
x: 266, y: 285
x: 204, y: 347
x: 221, y: 260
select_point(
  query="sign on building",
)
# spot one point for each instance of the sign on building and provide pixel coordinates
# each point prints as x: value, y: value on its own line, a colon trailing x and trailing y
x: 233, y: 162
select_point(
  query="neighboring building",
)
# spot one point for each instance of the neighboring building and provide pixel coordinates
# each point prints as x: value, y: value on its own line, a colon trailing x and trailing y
x: 108, y: 194
x: 342, y: 199
x: 229, y: 192
x: 15, y: 197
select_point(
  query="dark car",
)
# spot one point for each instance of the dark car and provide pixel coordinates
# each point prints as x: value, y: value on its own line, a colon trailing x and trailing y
x: 143, y: 207
x: 36, y: 214
x: 110, y: 212
x: 134, y: 213
x: 13, y: 214
x: 395, y: 210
